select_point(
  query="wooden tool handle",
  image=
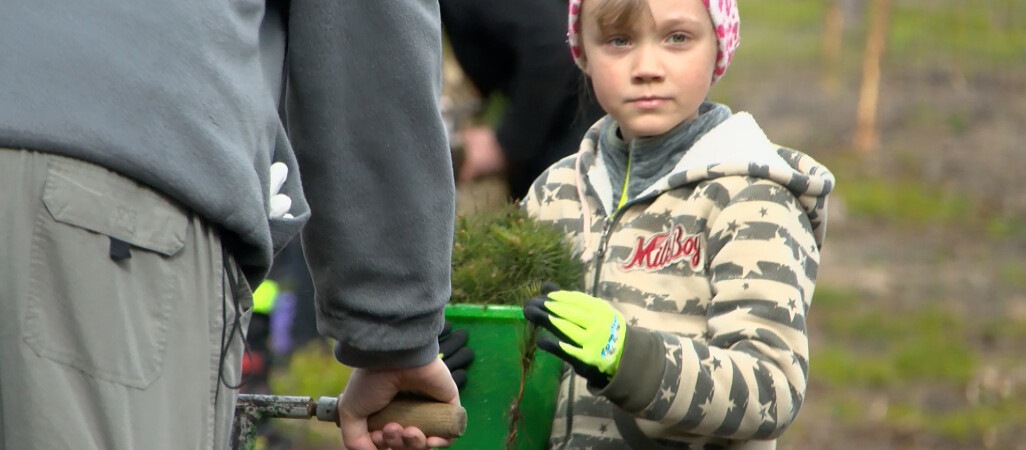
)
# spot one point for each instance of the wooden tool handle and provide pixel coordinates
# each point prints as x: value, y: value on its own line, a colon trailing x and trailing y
x: 433, y: 417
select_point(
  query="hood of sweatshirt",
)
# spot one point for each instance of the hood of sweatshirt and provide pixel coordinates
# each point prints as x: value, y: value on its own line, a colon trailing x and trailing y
x: 736, y: 146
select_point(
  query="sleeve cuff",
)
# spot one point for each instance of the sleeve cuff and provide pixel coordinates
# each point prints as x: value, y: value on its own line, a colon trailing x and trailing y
x: 642, y: 364
x: 394, y: 359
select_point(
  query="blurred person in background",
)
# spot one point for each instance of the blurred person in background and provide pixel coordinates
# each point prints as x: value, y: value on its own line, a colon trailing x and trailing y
x: 518, y: 49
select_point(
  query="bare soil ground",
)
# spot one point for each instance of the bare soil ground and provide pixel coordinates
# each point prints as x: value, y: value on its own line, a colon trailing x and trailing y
x: 962, y: 136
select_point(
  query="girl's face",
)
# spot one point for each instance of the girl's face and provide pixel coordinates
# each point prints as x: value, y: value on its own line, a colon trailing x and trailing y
x: 655, y: 72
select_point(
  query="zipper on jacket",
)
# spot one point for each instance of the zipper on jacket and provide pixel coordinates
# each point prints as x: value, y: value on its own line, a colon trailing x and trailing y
x: 599, y: 257
x: 603, y: 246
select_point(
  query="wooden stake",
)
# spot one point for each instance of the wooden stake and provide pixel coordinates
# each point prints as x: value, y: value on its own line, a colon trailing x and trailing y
x: 865, y: 121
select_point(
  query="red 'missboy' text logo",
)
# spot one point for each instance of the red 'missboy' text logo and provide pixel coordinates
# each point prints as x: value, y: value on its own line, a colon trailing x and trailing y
x: 664, y: 249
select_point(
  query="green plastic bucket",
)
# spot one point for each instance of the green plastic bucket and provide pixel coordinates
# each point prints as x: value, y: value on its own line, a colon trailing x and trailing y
x: 497, y: 334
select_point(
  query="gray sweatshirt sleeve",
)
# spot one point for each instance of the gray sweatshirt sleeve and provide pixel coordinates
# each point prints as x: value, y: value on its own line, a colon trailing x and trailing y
x: 363, y: 89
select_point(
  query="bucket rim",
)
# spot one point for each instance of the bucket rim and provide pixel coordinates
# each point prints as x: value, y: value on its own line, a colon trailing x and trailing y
x: 490, y: 311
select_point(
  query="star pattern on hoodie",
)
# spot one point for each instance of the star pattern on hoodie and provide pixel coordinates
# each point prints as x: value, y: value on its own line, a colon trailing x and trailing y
x: 649, y: 301
x: 705, y: 406
x: 548, y: 194
x: 765, y: 412
x: 712, y: 363
x: 732, y: 227
x: 750, y: 332
x: 673, y: 356
x: 749, y: 266
x: 792, y: 308
x: 665, y: 394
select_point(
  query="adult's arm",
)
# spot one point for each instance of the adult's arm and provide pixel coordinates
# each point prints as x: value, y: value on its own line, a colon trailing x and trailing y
x: 363, y: 87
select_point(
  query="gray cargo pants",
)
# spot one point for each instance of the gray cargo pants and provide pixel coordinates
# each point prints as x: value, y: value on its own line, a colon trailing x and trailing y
x: 113, y: 305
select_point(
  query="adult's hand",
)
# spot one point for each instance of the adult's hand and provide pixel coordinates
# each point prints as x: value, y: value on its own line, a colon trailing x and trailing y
x: 484, y: 155
x: 369, y: 390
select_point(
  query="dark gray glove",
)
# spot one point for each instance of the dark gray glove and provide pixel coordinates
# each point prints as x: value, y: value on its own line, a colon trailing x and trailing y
x: 452, y: 346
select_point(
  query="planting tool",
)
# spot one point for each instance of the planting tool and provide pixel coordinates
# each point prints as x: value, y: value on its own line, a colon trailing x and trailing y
x: 433, y: 417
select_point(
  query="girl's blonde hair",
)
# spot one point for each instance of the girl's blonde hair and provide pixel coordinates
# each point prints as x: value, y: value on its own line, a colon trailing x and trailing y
x: 616, y: 15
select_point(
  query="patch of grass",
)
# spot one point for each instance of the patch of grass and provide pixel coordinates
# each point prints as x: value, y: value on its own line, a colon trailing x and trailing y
x: 1014, y: 273
x: 926, y: 34
x: 869, y: 344
x: 839, y: 367
x: 962, y: 424
x: 834, y: 298
x: 848, y: 408
x: 906, y: 364
x: 790, y: 13
x: 772, y: 32
x: 1005, y: 227
x: 1007, y: 329
x: 912, y: 202
x: 907, y: 201
x: 935, y: 349
x: 921, y: 33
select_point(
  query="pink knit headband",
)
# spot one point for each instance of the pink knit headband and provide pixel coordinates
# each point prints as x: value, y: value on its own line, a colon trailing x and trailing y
x: 724, y: 18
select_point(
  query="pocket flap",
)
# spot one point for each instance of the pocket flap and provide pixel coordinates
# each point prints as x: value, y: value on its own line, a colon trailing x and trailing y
x: 107, y: 203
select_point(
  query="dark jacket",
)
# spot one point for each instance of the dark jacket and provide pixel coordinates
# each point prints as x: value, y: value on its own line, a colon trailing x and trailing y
x: 518, y: 49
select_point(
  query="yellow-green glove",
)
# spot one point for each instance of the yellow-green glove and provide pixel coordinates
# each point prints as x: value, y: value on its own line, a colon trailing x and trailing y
x: 589, y: 332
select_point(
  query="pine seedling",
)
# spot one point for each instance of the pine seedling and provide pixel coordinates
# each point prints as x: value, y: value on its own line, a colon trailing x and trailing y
x: 501, y: 257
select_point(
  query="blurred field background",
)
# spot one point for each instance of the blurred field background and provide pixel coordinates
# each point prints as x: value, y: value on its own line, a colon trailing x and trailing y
x: 918, y: 323
x: 919, y: 319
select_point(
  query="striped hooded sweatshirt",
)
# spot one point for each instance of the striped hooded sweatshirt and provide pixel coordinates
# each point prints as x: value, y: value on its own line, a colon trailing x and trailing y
x: 713, y: 265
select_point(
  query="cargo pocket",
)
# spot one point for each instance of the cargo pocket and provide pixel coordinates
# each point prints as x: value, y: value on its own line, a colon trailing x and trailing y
x: 101, y: 285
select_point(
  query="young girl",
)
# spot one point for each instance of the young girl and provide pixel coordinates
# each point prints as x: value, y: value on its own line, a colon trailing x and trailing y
x: 701, y: 239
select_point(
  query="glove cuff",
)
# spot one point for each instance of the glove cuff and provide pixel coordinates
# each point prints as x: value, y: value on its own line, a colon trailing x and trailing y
x: 617, y: 342
x: 640, y: 375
